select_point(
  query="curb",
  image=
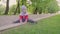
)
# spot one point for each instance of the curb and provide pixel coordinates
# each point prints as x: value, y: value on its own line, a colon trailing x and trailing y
x: 2, y: 28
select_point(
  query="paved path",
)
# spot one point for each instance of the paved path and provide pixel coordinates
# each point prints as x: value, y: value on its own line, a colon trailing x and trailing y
x: 7, y: 21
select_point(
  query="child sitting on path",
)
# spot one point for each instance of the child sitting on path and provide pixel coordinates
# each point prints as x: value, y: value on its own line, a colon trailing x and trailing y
x: 23, y: 15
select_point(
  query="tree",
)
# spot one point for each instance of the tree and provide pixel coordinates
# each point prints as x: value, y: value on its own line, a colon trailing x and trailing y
x: 18, y: 7
x: 7, y: 7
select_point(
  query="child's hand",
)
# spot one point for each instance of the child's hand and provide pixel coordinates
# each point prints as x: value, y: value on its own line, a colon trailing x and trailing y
x: 20, y: 21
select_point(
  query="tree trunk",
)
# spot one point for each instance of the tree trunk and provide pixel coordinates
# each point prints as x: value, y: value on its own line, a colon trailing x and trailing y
x: 35, y: 11
x: 15, y: 12
x: 7, y: 8
x: 17, y: 8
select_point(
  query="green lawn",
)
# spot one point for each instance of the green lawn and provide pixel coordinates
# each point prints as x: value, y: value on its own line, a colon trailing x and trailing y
x: 45, y: 26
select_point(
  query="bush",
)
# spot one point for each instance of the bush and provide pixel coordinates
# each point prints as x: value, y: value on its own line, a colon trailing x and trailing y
x: 2, y: 9
x: 12, y: 9
x: 45, y: 6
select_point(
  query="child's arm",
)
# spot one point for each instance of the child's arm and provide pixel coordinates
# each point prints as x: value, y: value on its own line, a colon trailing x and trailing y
x: 20, y: 18
x: 26, y: 18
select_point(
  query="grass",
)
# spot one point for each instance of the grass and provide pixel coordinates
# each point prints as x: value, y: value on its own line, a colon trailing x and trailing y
x: 49, y: 25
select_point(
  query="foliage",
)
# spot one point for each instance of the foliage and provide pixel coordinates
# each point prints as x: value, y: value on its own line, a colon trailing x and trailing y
x: 41, y: 6
x: 2, y: 9
x: 12, y: 9
x: 45, y: 6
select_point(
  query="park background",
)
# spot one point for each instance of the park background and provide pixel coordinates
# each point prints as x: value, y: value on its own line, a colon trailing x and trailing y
x: 13, y: 7
x: 37, y: 9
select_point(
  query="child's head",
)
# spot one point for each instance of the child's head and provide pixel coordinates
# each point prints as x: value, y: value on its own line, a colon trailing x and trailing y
x: 24, y: 8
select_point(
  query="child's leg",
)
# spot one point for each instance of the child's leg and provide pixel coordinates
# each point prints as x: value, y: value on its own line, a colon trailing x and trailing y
x: 17, y: 21
x: 31, y: 21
